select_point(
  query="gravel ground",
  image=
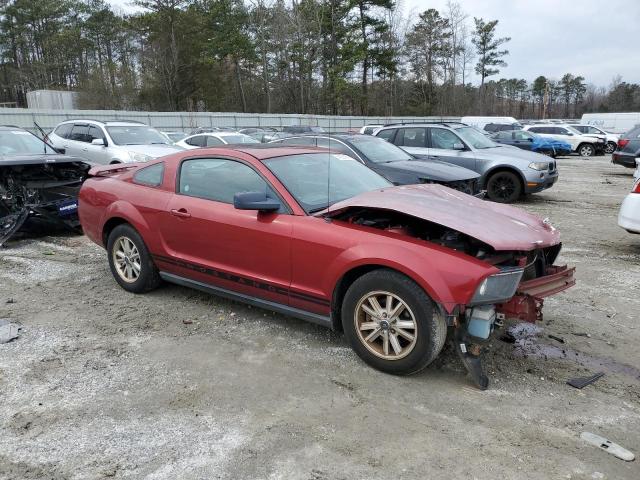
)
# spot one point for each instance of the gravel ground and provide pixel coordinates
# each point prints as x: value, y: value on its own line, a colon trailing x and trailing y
x: 106, y: 384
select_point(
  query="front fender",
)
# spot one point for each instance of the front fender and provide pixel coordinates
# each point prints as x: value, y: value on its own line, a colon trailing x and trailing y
x: 450, y: 278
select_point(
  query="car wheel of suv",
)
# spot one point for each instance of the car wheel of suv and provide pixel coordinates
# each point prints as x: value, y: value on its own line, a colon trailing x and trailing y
x: 504, y: 187
x: 611, y: 147
x: 130, y: 261
x: 586, y: 150
x: 391, y: 323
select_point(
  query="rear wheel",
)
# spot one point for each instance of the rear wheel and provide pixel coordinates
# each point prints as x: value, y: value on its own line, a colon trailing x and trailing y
x: 391, y: 323
x: 504, y: 187
x: 610, y: 148
x: 130, y: 261
x: 586, y: 150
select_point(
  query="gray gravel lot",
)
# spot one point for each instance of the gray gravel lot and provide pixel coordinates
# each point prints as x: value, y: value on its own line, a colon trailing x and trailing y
x: 106, y: 384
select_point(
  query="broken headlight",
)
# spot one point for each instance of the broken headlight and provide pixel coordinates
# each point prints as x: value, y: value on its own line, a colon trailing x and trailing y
x: 499, y: 287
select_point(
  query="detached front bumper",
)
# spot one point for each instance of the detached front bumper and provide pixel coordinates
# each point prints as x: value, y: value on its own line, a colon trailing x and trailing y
x: 526, y: 304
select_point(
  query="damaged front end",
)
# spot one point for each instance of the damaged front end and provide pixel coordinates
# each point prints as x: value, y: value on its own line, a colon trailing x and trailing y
x: 521, y: 247
x: 42, y: 187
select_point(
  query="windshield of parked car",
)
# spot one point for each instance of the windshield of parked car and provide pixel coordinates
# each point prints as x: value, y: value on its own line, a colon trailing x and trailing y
x: 378, y: 150
x: 240, y: 138
x: 475, y: 138
x: 137, y: 135
x: 523, y: 135
x: 21, y: 142
x: 317, y: 180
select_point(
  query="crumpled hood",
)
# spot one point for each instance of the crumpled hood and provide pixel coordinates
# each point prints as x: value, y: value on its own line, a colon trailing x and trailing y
x: 501, y: 226
x: 154, y: 151
x: 430, y: 169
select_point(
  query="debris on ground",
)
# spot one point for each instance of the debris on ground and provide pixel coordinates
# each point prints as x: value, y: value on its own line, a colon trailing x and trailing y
x: 581, y: 382
x: 581, y: 334
x: 557, y: 339
x: 8, y: 331
x: 186, y: 321
x: 608, y: 446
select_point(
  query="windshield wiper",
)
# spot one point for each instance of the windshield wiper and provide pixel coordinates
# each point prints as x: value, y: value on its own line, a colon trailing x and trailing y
x: 318, y: 209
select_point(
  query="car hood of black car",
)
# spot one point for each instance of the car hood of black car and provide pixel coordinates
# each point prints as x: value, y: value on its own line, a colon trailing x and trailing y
x: 37, y: 159
x: 429, y: 169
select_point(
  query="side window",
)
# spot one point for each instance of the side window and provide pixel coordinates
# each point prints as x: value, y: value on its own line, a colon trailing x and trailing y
x: 213, y: 141
x: 536, y: 130
x: 307, y: 141
x: 219, y: 179
x: 64, y: 130
x: 412, y: 137
x: 519, y: 135
x: 560, y: 131
x: 95, y: 132
x: 80, y: 133
x: 387, y: 134
x: 151, y: 176
x: 441, y: 138
x: 335, y: 145
x: 197, y: 141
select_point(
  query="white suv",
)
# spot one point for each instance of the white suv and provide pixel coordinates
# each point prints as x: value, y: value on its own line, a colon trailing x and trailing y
x: 583, y: 145
x: 111, y: 142
x: 591, y: 131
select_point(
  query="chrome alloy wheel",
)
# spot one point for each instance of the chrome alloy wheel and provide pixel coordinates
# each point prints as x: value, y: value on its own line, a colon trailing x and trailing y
x: 126, y: 259
x: 386, y: 325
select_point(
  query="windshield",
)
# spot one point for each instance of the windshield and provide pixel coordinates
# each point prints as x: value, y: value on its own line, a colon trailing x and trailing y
x: 21, y: 142
x: 175, y: 136
x: 474, y: 138
x: 240, y: 138
x: 378, y: 150
x: 137, y: 135
x: 317, y: 180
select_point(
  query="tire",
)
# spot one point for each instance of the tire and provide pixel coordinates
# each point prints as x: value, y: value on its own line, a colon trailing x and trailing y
x: 548, y: 153
x: 610, y: 148
x: 586, y: 150
x: 429, y: 331
x: 125, y: 243
x: 504, y: 187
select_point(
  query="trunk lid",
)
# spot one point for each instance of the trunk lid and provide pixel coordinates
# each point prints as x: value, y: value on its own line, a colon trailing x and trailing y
x: 501, y: 226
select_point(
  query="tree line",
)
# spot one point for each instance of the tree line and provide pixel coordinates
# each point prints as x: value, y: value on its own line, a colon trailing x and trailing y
x: 342, y: 57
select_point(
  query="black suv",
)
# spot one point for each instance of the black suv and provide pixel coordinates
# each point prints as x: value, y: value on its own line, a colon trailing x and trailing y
x: 630, y: 143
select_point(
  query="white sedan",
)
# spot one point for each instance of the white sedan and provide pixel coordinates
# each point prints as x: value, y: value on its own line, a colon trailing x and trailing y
x: 629, y: 216
x: 215, y: 139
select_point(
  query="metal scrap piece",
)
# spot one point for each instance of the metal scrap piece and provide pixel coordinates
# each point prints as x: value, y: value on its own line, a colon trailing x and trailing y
x: 608, y: 446
x: 581, y: 382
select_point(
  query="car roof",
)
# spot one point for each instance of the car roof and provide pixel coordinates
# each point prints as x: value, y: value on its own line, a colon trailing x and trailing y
x: 110, y: 123
x: 6, y: 128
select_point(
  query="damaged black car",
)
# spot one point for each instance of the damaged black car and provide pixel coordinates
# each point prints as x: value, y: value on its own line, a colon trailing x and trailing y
x: 36, y: 181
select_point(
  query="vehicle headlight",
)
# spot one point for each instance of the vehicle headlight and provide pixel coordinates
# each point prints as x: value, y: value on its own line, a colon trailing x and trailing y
x: 539, y: 165
x: 499, y: 287
x: 139, y: 157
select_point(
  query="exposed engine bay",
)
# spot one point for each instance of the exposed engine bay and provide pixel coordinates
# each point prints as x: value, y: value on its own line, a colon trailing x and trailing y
x: 534, y: 262
x: 47, y: 188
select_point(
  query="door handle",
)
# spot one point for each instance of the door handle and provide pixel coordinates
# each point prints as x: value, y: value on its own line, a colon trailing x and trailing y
x: 181, y: 213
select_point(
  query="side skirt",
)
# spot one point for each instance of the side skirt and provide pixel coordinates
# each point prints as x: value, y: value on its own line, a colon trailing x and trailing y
x: 256, y: 302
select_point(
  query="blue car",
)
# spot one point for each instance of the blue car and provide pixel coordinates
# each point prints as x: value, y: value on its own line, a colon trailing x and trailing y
x: 530, y: 141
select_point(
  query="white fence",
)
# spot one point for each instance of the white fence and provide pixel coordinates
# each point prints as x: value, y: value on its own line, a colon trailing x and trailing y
x: 186, y: 121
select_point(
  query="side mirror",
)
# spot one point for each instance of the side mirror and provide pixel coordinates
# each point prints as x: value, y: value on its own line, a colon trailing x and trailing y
x: 458, y: 146
x: 255, y: 201
x: 97, y: 141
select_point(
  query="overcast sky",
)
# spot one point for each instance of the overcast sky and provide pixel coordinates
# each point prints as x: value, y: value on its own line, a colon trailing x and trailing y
x: 597, y: 39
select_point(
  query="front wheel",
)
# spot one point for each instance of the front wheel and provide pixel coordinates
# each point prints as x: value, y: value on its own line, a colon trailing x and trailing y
x: 610, y: 148
x: 504, y: 187
x: 391, y: 324
x: 586, y: 150
x: 130, y: 261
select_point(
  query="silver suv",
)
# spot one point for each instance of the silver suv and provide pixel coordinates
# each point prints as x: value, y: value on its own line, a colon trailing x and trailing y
x: 506, y: 172
x: 110, y: 142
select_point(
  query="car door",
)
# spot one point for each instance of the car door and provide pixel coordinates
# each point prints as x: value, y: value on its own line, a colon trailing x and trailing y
x: 441, y: 147
x: 520, y: 139
x: 412, y: 140
x: 76, y: 142
x: 210, y: 241
x: 96, y: 153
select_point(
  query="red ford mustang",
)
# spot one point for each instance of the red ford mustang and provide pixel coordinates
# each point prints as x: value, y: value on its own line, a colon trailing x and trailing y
x: 319, y: 236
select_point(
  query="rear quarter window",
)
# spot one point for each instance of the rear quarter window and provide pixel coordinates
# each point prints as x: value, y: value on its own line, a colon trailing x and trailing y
x: 63, y: 130
x: 151, y: 176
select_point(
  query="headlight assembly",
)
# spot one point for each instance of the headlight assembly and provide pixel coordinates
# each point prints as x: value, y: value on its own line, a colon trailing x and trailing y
x: 139, y: 157
x: 539, y: 165
x: 499, y: 287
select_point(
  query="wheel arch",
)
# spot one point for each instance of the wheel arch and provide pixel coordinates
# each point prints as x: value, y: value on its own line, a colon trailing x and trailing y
x: 504, y: 168
x: 121, y: 212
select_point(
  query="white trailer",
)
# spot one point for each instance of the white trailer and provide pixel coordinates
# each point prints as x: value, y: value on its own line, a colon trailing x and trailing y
x: 612, y: 122
x: 52, y: 99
